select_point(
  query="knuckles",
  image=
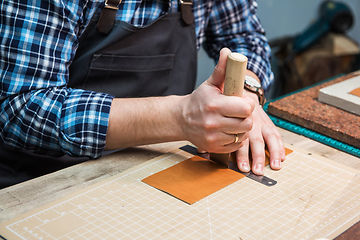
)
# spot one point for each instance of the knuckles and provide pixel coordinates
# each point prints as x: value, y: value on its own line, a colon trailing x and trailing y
x: 247, y: 124
x: 211, y: 107
x: 211, y: 124
x: 248, y: 109
x: 211, y: 140
x: 211, y: 143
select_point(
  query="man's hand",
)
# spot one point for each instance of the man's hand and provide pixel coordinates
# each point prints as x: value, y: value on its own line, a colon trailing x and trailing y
x: 263, y: 133
x: 212, y: 120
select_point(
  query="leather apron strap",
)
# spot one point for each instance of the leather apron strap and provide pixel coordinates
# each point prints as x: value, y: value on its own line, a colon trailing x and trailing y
x: 186, y: 11
x: 107, y: 16
x: 108, y: 13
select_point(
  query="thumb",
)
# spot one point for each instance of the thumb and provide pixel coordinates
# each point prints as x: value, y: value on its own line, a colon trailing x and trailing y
x: 217, y: 78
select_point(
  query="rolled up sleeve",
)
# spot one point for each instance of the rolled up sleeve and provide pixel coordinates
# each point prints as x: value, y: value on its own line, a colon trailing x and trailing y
x: 235, y: 25
x: 38, y: 111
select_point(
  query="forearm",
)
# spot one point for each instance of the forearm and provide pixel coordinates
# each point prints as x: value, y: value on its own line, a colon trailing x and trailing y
x: 141, y: 121
x: 56, y: 122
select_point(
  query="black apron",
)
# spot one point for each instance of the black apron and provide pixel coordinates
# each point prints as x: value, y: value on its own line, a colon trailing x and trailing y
x: 126, y: 61
x: 129, y: 61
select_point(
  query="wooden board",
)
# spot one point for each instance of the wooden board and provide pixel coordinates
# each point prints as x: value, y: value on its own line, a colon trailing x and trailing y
x: 309, y: 188
x: 303, y: 108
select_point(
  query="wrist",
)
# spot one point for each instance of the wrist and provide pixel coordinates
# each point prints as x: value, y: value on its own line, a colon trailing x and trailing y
x: 252, y: 96
x: 178, y: 116
x: 253, y: 85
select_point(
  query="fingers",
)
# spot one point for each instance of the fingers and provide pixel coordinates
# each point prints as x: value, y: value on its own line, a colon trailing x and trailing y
x: 210, y: 121
x: 232, y: 106
x: 222, y: 142
x: 263, y: 133
x: 242, y: 156
x: 201, y: 151
x: 227, y: 125
x: 220, y: 133
x: 275, y: 147
x: 257, y: 146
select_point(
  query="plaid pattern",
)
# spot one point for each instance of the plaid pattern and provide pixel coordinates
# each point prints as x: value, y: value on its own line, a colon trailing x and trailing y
x: 38, y: 42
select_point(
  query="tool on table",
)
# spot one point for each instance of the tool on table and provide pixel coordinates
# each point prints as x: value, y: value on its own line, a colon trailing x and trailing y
x: 235, y: 74
x: 234, y: 86
x: 229, y: 162
x: 334, y: 17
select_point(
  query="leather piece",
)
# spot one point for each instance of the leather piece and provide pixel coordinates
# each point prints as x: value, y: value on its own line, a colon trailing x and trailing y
x: 193, y: 179
x: 288, y: 151
x: 356, y: 92
x: 196, y: 178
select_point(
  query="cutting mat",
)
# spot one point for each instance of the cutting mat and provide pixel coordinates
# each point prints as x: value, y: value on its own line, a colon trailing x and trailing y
x: 310, y: 191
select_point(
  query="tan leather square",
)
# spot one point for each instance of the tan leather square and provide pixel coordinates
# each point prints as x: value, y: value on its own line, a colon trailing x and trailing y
x: 193, y: 179
x: 356, y: 92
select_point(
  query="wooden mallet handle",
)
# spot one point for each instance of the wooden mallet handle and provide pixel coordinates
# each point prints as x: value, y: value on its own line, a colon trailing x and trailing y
x: 235, y: 74
x: 234, y: 86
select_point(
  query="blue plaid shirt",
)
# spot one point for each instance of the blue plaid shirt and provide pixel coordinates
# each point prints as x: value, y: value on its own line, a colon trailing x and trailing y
x: 39, y: 39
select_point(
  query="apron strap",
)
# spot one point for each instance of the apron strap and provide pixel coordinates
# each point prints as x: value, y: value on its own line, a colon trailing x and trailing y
x: 107, y: 16
x: 186, y: 11
x: 108, y: 13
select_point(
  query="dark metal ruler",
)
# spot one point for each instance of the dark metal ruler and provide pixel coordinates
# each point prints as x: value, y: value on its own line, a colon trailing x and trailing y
x: 233, y: 166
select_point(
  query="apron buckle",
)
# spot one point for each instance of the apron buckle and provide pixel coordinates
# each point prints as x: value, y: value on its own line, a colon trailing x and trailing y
x: 107, y: 16
x: 186, y: 2
x: 186, y: 11
x: 114, y: 5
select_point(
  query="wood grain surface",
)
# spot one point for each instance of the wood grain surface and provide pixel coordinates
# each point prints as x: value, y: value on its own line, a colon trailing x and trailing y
x: 23, y: 197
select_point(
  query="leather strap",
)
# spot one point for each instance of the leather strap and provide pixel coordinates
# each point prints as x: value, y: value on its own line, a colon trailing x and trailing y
x: 107, y: 16
x: 186, y: 11
x: 108, y: 13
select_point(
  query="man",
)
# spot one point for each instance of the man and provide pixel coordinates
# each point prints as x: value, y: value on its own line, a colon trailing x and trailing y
x: 81, y: 77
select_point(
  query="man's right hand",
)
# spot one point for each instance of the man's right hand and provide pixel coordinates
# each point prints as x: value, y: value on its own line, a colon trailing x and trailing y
x: 211, y: 120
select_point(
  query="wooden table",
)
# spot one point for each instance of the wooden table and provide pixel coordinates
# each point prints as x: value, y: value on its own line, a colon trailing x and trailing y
x: 21, y: 198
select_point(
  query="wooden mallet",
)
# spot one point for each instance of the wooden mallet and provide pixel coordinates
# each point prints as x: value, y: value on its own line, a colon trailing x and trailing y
x: 234, y: 86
